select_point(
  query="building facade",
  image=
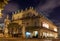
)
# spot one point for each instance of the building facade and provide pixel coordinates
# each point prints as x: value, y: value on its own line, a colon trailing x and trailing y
x: 33, y: 24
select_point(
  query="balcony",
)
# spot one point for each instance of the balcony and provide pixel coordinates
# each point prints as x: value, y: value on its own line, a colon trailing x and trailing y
x: 32, y: 27
x: 48, y: 29
x: 30, y: 17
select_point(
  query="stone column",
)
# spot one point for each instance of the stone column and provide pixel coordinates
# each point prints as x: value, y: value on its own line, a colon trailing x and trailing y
x: 6, y: 32
x: 23, y: 31
x: 38, y: 33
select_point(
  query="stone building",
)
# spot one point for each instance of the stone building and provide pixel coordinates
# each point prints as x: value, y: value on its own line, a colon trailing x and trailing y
x: 33, y: 24
x: 6, y: 22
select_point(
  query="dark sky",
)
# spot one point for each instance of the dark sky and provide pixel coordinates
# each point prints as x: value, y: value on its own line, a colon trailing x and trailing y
x: 50, y: 8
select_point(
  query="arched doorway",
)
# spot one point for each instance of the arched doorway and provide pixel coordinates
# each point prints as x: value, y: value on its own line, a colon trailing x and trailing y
x: 35, y: 34
x: 14, y: 30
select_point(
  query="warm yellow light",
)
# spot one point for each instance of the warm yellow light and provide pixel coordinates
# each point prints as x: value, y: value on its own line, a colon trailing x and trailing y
x: 51, y: 35
x: 0, y: 13
x: 45, y: 34
x: 6, y: 30
x: 45, y: 25
x: 55, y: 29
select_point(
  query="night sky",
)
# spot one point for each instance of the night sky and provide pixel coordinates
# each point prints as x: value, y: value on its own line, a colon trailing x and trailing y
x: 49, y: 8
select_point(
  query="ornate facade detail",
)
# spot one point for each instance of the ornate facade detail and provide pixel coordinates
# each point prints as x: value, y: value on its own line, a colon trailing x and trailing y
x: 6, y: 22
x: 2, y: 4
x: 34, y: 23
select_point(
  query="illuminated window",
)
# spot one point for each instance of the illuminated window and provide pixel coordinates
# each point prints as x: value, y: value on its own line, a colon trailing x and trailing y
x: 48, y: 34
x: 51, y: 35
x: 28, y: 33
x: 45, y: 25
x: 35, y: 33
x: 55, y: 29
x: 44, y: 34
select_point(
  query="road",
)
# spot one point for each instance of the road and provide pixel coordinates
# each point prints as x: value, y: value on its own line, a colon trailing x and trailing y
x: 21, y: 39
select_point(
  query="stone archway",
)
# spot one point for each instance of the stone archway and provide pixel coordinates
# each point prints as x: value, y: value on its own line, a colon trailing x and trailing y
x: 14, y: 30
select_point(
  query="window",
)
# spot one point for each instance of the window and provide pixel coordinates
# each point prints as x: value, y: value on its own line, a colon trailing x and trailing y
x: 51, y: 35
x: 27, y: 23
x: 28, y: 35
x: 45, y: 34
x: 55, y: 29
x: 45, y: 25
x: 35, y: 33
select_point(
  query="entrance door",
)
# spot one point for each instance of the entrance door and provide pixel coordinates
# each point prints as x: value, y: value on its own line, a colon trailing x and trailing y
x: 28, y: 35
x: 35, y: 34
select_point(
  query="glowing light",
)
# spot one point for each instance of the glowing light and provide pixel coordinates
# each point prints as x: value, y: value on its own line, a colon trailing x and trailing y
x: 27, y: 33
x: 36, y: 32
x: 55, y: 29
x: 51, y: 35
x: 0, y: 13
x: 45, y: 25
x: 44, y: 34
x: 6, y: 30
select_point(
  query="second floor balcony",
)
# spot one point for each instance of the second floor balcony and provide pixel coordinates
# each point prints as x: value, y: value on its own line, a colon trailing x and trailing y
x: 30, y: 17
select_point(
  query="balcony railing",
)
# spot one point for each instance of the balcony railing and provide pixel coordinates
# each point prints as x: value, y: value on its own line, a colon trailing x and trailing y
x: 30, y: 17
x: 32, y: 27
x: 48, y: 29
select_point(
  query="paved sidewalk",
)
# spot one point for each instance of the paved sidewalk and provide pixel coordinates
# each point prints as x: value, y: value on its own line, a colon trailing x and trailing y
x: 21, y: 39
